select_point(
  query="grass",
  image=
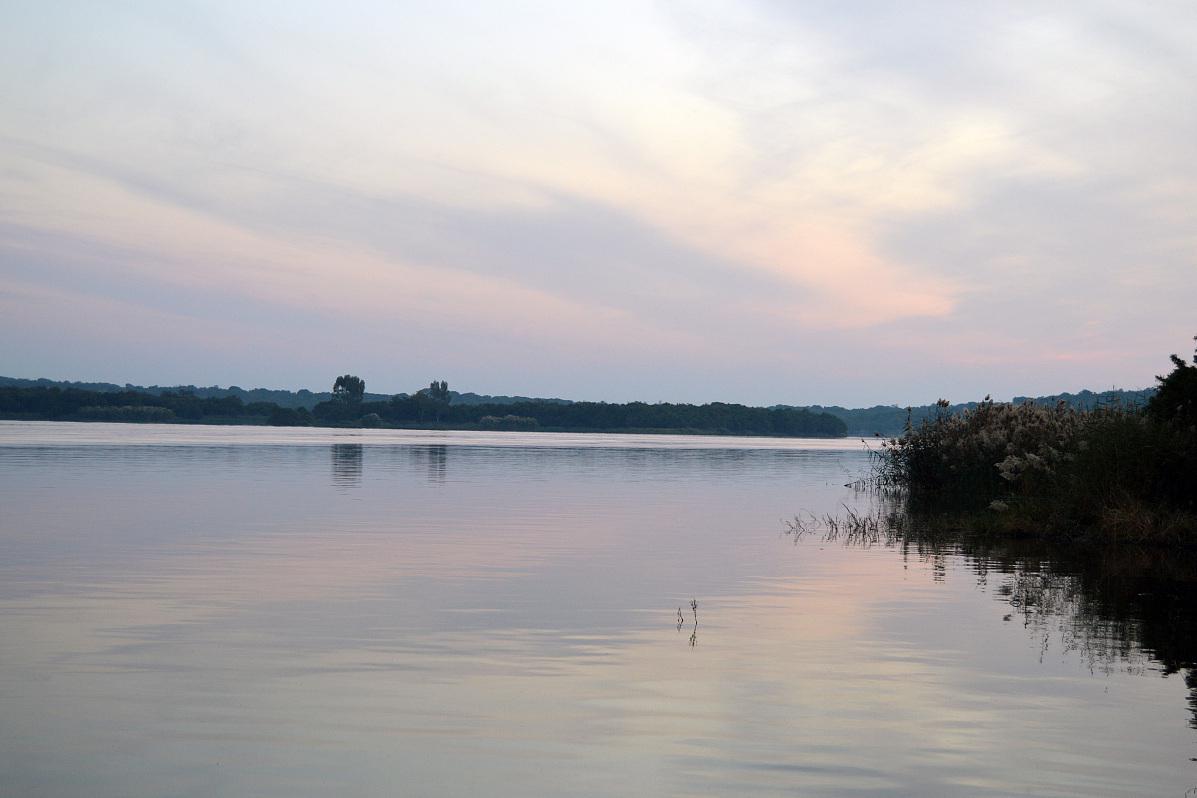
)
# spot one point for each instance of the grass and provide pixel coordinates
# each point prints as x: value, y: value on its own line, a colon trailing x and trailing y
x: 1117, y: 474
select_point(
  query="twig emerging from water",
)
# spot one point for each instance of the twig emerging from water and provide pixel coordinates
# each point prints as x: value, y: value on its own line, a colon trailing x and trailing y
x: 681, y: 621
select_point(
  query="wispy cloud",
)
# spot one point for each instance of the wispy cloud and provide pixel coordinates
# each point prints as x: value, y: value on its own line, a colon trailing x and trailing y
x: 754, y: 201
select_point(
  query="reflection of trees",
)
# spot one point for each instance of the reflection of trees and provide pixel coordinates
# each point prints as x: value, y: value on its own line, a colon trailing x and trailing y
x: 435, y: 460
x: 1116, y: 609
x: 346, y: 464
x: 1119, y: 608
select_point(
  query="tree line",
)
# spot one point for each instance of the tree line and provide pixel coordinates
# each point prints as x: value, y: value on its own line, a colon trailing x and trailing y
x: 890, y: 421
x: 431, y: 406
x: 881, y: 420
x: 284, y: 398
x: 75, y: 404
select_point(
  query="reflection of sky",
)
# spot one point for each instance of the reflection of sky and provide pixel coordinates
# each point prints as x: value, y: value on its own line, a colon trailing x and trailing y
x: 754, y: 201
x: 459, y: 619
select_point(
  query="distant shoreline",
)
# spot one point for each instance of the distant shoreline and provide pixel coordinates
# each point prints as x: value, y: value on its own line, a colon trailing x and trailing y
x: 234, y: 422
x: 429, y: 408
x: 885, y: 421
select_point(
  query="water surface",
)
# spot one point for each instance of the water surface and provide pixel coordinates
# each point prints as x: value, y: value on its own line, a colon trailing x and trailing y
x: 194, y: 611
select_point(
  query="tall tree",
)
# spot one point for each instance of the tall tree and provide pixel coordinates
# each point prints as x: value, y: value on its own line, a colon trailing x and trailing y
x: 349, y: 388
x: 433, y: 400
x: 1176, y: 398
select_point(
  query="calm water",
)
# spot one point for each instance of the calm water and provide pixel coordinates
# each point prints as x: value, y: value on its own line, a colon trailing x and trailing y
x: 196, y: 611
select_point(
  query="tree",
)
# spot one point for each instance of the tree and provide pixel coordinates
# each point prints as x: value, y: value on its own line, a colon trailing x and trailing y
x: 349, y: 388
x: 1176, y: 398
x: 433, y: 400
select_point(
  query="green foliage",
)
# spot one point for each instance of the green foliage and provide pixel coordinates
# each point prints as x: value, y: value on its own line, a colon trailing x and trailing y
x: 432, y: 402
x: 72, y: 403
x: 348, y: 388
x: 289, y: 417
x: 890, y: 420
x: 282, y: 398
x: 881, y: 420
x: 431, y: 406
x: 716, y: 417
x: 1175, y: 400
x: 1114, y: 472
x: 976, y: 456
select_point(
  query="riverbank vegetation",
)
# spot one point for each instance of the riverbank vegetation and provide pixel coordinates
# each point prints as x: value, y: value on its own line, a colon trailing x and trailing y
x: 890, y: 420
x: 431, y: 407
x: 1113, y: 473
x: 877, y: 421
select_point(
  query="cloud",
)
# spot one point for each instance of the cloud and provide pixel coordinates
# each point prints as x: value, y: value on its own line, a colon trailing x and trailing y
x: 719, y: 186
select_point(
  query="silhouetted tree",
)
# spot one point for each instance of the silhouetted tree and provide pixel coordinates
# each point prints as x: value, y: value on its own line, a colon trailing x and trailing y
x: 1176, y: 398
x: 433, y: 400
x: 349, y: 388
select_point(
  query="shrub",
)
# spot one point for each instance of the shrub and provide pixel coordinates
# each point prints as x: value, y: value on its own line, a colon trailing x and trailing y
x: 1175, y: 401
x: 1114, y: 471
x: 976, y: 456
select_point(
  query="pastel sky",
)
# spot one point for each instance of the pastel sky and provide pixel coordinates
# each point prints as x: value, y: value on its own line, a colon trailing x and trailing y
x: 763, y: 202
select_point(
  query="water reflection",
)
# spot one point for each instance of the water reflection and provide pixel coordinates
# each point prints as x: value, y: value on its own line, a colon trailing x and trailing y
x: 1117, y: 609
x: 435, y: 460
x: 234, y: 619
x: 346, y: 464
x: 1129, y: 609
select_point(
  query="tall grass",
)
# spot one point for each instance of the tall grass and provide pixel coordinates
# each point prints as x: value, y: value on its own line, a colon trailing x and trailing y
x: 1116, y: 473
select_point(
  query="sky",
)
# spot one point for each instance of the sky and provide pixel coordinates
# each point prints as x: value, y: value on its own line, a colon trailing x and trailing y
x: 760, y: 202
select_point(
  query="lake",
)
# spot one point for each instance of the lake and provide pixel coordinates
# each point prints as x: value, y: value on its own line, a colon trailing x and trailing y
x: 250, y: 611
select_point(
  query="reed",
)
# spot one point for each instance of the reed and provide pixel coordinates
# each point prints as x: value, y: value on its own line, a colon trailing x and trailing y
x: 1118, y: 473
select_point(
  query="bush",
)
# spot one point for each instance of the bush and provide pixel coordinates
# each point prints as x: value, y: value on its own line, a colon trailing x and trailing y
x: 1115, y: 472
x: 1175, y: 401
x: 976, y: 456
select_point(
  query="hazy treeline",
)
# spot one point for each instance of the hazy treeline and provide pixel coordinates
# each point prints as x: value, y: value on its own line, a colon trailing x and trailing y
x: 281, y: 397
x: 75, y: 404
x: 885, y: 420
x: 423, y: 408
x: 720, y: 417
x: 890, y: 420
